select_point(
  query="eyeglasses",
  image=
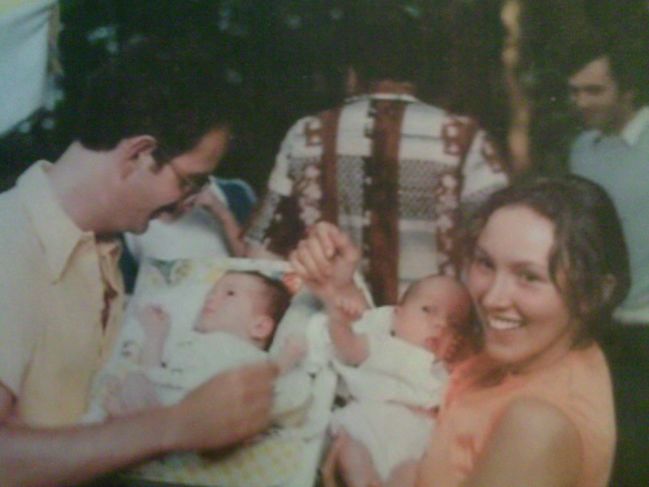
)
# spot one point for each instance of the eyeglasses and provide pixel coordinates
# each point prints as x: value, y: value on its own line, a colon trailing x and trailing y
x: 192, y: 183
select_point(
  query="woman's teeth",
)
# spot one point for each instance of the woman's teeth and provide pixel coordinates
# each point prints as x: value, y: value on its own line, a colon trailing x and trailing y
x: 504, y: 323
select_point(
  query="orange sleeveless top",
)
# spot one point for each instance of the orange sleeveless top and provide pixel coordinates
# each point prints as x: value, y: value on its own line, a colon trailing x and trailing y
x: 579, y: 385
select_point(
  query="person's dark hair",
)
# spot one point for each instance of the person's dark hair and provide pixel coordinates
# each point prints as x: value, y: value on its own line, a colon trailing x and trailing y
x: 589, y: 245
x: 384, y: 42
x: 279, y: 299
x: 617, y: 30
x: 175, y: 93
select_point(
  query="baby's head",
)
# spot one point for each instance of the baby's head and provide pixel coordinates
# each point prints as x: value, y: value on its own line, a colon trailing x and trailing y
x: 432, y: 313
x: 247, y: 304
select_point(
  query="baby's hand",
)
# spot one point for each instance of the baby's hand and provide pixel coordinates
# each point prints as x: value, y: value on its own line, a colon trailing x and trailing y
x: 293, y: 351
x: 154, y: 320
x: 352, y: 306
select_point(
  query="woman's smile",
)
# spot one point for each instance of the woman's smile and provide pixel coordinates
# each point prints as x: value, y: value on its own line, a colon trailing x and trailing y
x: 524, y: 316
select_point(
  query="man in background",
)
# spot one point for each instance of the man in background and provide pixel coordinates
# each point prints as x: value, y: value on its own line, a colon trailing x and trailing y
x: 608, y: 86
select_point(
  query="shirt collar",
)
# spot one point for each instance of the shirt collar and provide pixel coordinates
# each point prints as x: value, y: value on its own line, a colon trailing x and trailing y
x: 384, y: 96
x: 58, y: 234
x: 634, y: 128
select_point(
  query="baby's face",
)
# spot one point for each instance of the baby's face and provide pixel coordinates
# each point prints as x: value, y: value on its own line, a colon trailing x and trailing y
x: 234, y: 302
x: 431, y: 315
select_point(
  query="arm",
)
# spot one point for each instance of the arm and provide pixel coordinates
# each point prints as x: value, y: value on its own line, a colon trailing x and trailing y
x: 224, y: 411
x: 534, y: 444
x: 326, y: 260
x: 209, y: 201
x: 352, y: 348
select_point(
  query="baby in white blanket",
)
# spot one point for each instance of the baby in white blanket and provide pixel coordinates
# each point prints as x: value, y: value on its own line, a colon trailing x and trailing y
x: 234, y: 327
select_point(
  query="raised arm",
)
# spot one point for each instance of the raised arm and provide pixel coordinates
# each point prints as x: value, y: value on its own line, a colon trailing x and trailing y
x: 208, y: 200
x: 351, y: 348
x: 224, y: 411
x: 327, y: 260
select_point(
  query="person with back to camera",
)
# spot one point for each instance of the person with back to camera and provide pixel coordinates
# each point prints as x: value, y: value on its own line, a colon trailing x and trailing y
x: 395, y: 173
x: 547, y: 266
x: 153, y: 126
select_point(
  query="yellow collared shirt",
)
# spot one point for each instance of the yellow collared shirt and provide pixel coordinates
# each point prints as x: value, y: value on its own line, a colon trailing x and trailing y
x: 52, y: 297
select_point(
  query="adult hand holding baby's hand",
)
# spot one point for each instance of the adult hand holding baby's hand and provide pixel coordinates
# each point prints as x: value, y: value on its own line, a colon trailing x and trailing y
x: 227, y: 409
x: 326, y: 259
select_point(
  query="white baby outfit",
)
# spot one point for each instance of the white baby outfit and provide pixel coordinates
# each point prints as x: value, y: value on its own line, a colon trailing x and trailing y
x: 395, y: 377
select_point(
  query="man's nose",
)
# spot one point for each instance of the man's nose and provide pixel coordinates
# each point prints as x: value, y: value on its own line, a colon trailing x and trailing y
x: 580, y: 100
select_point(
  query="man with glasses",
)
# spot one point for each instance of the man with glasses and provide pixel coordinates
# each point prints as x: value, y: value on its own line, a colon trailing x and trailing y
x: 153, y: 126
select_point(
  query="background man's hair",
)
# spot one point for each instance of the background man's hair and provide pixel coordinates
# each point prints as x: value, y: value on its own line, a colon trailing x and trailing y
x: 385, y: 45
x: 628, y: 62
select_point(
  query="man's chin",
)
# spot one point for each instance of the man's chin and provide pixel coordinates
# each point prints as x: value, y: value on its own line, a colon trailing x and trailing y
x: 169, y: 213
x: 140, y: 229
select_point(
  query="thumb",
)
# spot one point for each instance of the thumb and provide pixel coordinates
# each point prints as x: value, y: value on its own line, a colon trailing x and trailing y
x: 344, y: 246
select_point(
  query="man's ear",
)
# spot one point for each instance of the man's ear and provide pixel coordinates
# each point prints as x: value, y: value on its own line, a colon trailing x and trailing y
x: 261, y: 328
x: 134, y: 151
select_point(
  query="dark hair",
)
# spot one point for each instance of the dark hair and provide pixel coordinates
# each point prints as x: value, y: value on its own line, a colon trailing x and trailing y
x: 617, y: 30
x: 384, y: 42
x: 588, y: 243
x: 279, y: 298
x: 175, y: 93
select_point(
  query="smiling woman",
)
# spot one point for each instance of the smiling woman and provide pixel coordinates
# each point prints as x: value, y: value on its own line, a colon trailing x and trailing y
x: 548, y: 264
x: 534, y: 405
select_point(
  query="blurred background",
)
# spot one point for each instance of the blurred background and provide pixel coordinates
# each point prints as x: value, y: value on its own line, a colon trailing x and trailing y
x: 288, y: 59
x: 286, y: 55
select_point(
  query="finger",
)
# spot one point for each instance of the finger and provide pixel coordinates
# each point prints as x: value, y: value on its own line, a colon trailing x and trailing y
x: 326, y: 232
x: 343, y: 245
x: 315, y: 264
x: 296, y: 264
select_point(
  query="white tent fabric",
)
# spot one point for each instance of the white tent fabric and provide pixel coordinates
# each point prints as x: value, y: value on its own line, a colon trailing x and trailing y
x: 24, y: 30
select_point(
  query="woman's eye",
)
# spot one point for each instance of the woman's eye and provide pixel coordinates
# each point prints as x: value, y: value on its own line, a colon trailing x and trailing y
x: 482, y: 262
x: 529, y: 277
x: 230, y: 293
x: 426, y: 309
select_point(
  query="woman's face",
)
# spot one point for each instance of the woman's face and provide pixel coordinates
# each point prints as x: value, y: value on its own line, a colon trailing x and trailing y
x: 527, y: 323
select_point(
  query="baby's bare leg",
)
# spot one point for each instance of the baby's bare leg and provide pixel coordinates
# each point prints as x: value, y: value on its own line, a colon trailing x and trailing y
x: 156, y: 324
x: 403, y: 475
x: 356, y: 464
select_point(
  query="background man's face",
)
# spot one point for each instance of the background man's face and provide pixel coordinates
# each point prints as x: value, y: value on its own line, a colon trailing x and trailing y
x: 597, y: 97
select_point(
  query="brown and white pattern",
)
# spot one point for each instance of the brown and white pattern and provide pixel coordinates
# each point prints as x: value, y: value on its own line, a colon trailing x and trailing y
x: 392, y: 172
